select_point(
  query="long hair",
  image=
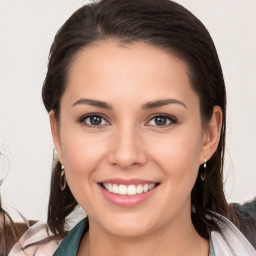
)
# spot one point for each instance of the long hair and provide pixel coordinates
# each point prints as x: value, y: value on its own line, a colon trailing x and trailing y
x: 172, y: 28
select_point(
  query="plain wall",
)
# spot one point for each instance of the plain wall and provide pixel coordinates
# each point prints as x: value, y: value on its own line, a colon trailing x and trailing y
x: 27, y: 29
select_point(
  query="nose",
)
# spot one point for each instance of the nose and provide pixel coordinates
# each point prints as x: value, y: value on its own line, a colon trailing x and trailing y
x: 127, y: 149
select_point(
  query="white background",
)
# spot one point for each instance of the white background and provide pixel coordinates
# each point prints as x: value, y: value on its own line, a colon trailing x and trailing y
x: 27, y: 29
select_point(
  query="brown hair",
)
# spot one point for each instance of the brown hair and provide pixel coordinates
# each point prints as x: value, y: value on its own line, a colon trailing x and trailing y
x: 166, y: 25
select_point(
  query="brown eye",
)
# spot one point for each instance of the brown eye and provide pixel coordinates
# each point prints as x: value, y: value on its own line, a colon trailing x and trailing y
x: 93, y: 120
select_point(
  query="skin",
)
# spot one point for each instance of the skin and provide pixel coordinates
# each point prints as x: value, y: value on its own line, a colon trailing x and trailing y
x: 130, y: 144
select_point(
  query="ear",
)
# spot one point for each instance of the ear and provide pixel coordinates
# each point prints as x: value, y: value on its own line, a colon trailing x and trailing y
x: 56, y: 135
x: 211, y: 136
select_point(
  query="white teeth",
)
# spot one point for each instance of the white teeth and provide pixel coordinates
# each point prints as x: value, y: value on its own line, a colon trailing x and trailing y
x: 115, y: 189
x: 110, y: 187
x: 131, y: 190
x: 151, y: 186
x: 145, y: 188
x: 128, y: 190
x: 139, y: 189
x: 122, y: 190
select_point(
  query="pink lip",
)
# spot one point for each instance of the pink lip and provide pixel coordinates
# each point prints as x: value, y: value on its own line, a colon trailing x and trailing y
x: 128, y: 181
x: 126, y: 200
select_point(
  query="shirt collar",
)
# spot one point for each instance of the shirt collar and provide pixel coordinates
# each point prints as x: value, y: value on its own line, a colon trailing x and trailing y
x: 69, y: 245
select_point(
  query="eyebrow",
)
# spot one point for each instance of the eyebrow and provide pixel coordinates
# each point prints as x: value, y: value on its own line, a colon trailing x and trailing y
x: 147, y: 106
x: 95, y: 103
x: 160, y: 103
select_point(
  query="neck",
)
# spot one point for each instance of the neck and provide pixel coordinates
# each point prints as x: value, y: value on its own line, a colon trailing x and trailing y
x: 173, y: 239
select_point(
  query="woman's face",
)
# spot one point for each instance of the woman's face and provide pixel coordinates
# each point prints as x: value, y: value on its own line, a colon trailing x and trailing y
x: 130, y: 122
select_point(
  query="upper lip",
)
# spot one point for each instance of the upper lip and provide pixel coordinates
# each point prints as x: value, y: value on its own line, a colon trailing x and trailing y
x: 119, y: 181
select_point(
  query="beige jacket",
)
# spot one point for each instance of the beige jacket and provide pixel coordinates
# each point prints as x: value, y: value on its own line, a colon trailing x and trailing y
x: 231, y: 242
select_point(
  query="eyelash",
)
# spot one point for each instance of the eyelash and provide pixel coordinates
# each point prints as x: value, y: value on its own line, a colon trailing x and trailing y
x: 170, y: 118
x: 83, y: 118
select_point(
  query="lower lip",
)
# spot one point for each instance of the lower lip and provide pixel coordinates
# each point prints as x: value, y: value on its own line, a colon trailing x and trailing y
x: 126, y: 200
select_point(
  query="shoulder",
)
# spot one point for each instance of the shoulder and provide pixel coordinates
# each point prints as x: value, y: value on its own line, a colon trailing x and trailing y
x: 37, y: 241
x: 230, y: 239
x: 246, y: 214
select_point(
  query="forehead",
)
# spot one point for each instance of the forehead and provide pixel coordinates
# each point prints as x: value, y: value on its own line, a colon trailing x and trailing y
x: 109, y: 69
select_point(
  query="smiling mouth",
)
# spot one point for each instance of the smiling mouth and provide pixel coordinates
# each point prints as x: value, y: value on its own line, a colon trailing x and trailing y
x: 129, y: 190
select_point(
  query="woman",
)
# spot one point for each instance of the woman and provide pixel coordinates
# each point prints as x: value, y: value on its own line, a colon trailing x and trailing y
x: 137, y: 106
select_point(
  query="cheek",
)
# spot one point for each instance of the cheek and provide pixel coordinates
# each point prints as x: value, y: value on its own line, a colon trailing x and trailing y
x: 179, y: 159
x: 82, y: 154
x: 178, y: 154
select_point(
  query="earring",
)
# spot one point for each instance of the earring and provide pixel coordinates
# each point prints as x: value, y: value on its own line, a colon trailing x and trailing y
x: 205, y: 163
x: 203, y: 173
x: 63, y: 181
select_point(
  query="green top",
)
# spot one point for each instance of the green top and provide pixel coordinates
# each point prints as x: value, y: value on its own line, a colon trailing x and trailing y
x: 70, y: 243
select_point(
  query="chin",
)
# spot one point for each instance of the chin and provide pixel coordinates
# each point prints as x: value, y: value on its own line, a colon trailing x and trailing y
x: 128, y: 227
